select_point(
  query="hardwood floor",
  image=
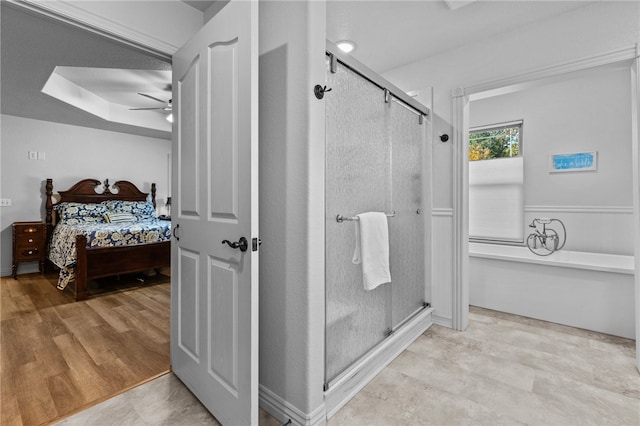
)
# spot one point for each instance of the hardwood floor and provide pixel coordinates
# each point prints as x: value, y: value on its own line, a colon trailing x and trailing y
x: 58, y: 356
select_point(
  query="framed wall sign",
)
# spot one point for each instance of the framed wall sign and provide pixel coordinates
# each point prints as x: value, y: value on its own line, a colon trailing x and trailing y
x: 574, y: 162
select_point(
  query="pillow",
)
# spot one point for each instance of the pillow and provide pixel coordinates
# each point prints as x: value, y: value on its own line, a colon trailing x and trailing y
x: 74, y: 213
x: 113, y: 217
x: 140, y: 209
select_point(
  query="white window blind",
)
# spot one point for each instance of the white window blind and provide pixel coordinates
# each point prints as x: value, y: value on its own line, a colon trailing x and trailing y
x: 496, y: 200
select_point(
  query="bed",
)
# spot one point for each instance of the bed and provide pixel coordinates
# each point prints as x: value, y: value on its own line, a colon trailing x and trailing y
x: 93, y: 234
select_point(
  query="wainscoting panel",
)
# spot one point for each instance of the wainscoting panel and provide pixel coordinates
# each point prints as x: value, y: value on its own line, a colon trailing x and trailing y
x: 442, y: 271
x: 596, y: 229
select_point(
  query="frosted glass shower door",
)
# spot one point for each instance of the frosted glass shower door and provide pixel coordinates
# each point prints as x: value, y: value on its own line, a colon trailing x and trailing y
x: 406, y: 231
x: 357, y: 180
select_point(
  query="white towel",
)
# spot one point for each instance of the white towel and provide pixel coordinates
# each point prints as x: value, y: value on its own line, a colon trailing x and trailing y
x: 372, y: 249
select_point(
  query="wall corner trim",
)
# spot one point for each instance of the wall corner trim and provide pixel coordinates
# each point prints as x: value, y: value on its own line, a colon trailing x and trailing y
x: 460, y: 193
x: 442, y: 211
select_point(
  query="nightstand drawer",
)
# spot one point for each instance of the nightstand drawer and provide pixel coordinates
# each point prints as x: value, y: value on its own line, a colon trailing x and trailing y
x: 27, y: 254
x: 28, y: 240
x: 29, y: 229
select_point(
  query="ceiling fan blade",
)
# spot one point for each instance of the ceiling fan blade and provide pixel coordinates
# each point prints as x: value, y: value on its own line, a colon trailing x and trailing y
x: 151, y: 97
x: 143, y: 109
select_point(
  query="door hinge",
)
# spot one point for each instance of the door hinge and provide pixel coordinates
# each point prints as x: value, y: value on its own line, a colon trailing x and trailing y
x: 255, y: 243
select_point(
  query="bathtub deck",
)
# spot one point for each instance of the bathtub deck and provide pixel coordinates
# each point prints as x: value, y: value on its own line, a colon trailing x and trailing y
x: 619, y: 264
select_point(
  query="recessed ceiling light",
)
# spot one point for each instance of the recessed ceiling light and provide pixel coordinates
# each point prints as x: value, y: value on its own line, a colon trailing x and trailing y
x: 346, y: 46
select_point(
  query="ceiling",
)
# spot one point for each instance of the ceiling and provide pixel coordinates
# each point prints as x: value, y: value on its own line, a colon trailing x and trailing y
x: 388, y: 34
x: 201, y: 5
x: 127, y: 96
x: 32, y: 48
x: 393, y: 33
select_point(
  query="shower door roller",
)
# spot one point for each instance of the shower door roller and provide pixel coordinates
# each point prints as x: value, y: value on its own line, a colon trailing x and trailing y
x: 241, y: 244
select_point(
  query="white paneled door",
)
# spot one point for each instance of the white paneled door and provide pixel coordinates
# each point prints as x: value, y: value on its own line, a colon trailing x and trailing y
x: 214, y: 291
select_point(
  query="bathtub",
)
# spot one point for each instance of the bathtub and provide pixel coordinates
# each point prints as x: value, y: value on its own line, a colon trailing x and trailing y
x: 587, y: 290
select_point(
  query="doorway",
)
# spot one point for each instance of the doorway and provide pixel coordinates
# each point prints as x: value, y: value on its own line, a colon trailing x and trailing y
x: 625, y: 60
x: 73, y: 144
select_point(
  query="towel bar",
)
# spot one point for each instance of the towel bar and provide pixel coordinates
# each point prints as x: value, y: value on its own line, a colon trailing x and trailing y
x: 340, y: 218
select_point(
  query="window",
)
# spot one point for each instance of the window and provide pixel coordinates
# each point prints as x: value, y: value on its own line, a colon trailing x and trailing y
x: 497, y: 141
x: 496, y: 199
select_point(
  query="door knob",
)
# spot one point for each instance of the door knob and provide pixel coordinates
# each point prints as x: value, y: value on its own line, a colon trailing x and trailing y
x: 241, y: 244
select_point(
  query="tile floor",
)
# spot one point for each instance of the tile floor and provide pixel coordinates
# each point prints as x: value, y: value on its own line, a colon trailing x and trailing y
x: 504, y: 369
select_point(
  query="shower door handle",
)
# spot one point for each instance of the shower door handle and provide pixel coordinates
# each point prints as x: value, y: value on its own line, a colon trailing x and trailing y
x: 241, y: 244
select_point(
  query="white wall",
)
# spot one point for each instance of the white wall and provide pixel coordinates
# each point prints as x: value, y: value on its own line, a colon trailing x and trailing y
x: 71, y: 153
x: 585, y: 113
x: 292, y: 43
x: 595, y: 29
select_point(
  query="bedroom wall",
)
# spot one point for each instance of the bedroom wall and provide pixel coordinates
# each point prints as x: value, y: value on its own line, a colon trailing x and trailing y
x: 71, y: 153
x: 591, y: 30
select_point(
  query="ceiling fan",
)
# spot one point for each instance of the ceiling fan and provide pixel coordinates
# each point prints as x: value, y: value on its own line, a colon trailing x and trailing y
x: 166, y: 107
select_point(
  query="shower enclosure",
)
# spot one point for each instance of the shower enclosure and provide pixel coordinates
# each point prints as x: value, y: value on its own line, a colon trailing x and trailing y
x: 376, y: 148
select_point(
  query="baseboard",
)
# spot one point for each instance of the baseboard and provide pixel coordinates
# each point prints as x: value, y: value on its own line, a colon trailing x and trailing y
x: 443, y: 321
x: 23, y: 268
x: 284, y: 411
x: 351, y: 382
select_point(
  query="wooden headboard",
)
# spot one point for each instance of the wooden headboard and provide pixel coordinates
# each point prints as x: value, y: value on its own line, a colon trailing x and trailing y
x: 85, y: 192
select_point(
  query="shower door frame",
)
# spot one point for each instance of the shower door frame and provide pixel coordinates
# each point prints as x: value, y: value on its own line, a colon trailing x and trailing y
x: 462, y: 96
x: 354, y: 377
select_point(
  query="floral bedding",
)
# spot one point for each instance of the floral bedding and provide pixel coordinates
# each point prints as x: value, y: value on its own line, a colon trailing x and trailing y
x: 91, y: 220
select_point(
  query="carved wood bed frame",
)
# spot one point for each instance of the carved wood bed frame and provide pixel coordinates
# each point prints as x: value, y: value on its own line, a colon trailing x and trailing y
x: 100, y: 262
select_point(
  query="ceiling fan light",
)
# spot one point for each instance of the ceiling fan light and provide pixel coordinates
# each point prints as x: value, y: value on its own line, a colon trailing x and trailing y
x: 347, y: 46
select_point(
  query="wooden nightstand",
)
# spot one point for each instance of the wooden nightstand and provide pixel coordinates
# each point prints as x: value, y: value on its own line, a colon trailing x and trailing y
x: 28, y: 244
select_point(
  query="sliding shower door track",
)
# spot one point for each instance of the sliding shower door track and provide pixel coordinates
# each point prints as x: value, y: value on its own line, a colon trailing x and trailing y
x: 345, y: 386
x: 365, y: 72
x: 388, y: 334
